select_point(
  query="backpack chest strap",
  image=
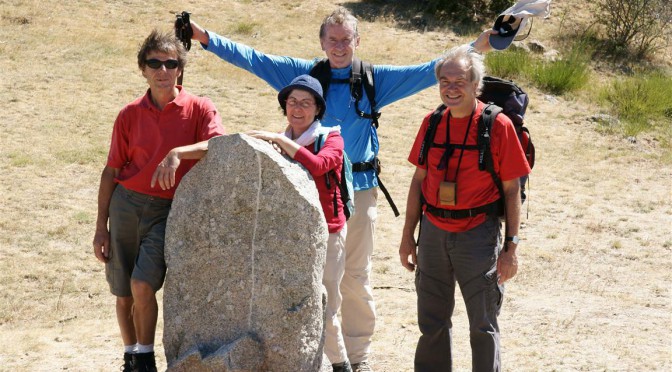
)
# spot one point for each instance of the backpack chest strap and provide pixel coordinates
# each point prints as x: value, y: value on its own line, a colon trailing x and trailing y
x: 454, y: 146
x: 340, y: 81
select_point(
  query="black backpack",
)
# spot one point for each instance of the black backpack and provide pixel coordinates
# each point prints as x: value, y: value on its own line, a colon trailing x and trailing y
x: 361, y: 80
x: 513, y: 100
x: 500, y: 96
x: 361, y: 77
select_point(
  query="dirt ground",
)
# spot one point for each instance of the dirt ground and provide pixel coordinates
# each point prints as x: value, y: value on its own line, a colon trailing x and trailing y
x: 593, y: 288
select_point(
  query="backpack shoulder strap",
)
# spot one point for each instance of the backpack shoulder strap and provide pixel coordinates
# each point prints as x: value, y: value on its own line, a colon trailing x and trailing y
x: 434, y: 121
x: 488, y: 115
x: 322, y: 72
x: 356, y: 78
x: 370, y: 89
x: 485, y: 161
x: 319, y: 142
x: 369, y: 84
x: 361, y: 79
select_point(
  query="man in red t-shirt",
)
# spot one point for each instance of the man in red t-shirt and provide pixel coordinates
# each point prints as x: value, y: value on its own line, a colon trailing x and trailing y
x: 155, y: 141
x: 460, y: 235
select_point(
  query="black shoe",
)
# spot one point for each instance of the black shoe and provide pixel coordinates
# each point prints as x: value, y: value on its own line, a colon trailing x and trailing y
x: 144, y: 362
x: 128, y: 363
x: 342, y: 367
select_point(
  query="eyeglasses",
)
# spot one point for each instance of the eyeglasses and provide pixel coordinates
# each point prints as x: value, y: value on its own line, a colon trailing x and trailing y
x: 156, y: 64
x: 305, y: 104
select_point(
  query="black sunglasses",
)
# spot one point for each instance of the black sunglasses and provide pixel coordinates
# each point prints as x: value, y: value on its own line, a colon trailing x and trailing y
x: 156, y: 64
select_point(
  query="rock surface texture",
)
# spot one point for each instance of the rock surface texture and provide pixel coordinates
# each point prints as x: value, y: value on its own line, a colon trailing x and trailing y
x: 245, y: 250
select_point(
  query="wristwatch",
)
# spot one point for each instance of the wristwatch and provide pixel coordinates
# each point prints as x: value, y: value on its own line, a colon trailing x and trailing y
x: 513, y: 239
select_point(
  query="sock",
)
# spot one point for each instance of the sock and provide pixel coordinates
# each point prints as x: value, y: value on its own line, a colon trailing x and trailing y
x: 145, y: 348
x: 131, y: 349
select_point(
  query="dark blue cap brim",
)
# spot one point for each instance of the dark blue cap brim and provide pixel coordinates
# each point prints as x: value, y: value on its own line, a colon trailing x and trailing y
x: 501, y: 43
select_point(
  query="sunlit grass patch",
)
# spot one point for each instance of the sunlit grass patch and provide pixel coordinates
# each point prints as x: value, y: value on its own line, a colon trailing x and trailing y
x: 562, y: 76
x: 244, y: 28
x: 19, y: 159
x: 641, y: 103
x: 83, y: 218
x: 510, y: 63
x: 81, y: 155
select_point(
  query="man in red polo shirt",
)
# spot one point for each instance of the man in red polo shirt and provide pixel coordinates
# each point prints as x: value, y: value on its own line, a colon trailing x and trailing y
x: 460, y: 235
x: 155, y: 141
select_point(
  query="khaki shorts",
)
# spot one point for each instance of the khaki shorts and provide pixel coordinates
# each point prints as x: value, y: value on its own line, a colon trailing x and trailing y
x: 137, y: 235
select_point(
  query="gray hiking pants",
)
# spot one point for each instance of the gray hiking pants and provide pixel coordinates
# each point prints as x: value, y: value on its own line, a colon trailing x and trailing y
x: 470, y: 258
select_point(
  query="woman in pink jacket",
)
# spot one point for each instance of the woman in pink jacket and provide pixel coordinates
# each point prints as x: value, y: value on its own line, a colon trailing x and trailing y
x: 303, y: 104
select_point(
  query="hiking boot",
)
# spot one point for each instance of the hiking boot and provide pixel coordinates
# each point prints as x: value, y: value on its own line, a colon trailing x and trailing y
x: 144, y: 362
x: 342, y: 367
x: 361, y: 367
x: 128, y: 363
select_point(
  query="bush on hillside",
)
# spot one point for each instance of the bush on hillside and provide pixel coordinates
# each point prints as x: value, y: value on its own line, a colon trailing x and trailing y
x: 636, y: 27
x: 466, y: 8
x: 564, y: 75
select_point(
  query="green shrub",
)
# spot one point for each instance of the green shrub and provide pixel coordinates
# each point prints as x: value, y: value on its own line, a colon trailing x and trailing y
x: 640, y: 102
x: 635, y: 27
x: 562, y: 76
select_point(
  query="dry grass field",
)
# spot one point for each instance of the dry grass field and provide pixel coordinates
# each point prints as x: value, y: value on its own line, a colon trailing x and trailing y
x: 593, y: 291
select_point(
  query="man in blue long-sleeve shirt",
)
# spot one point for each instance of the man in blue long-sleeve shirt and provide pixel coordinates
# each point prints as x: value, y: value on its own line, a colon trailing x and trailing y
x: 339, y: 40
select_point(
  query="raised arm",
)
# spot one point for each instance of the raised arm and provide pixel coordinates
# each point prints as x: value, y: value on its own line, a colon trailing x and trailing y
x: 482, y: 43
x: 199, y: 34
x: 277, y: 71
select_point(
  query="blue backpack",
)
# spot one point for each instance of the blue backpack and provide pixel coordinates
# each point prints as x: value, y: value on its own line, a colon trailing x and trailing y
x: 345, y: 186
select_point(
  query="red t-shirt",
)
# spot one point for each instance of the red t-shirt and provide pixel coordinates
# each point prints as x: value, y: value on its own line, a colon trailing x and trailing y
x: 143, y: 135
x: 330, y: 157
x: 474, y: 187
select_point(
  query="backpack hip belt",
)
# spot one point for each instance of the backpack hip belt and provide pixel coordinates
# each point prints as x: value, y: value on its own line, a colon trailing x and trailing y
x: 491, y: 209
x: 367, y: 165
x: 375, y: 165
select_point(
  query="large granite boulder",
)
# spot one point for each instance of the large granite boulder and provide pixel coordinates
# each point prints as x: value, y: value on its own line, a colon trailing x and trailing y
x: 245, y: 249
